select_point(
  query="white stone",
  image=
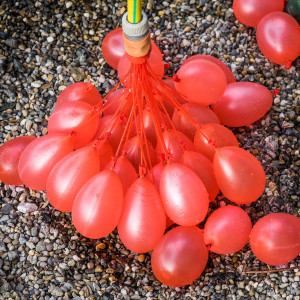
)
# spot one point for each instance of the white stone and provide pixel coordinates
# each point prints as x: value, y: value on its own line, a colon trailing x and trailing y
x: 25, y: 207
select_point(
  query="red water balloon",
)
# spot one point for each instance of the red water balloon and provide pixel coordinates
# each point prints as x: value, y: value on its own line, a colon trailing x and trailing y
x: 143, y: 220
x: 125, y: 170
x: 114, y: 127
x: 77, y: 118
x: 180, y: 257
x: 104, y: 150
x: 278, y: 38
x: 229, y: 76
x: 79, y: 91
x: 227, y: 230
x: 154, y: 174
x: 176, y: 143
x: 243, y: 103
x: 203, y: 167
x: 200, y: 114
x: 98, y: 206
x: 69, y: 175
x: 183, y: 194
x: 240, y: 176
x: 40, y: 156
x: 113, y: 47
x: 149, y: 127
x: 155, y: 63
x: 10, y: 153
x: 133, y: 151
x: 114, y: 101
x: 201, y: 81
x: 275, y: 238
x: 210, y: 136
x: 250, y: 12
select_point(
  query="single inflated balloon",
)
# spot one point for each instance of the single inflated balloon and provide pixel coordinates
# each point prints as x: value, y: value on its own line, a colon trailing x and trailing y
x: 143, y: 220
x: 154, y: 174
x: 125, y: 170
x: 114, y: 101
x: 201, y: 81
x: 77, y: 118
x: 229, y: 76
x: 104, y: 150
x: 183, y: 194
x: 227, y: 230
x: 155, y: 62
x: 180, y: 257
x: 40, y: 156
x: 278, y: 38
x: 69, y: 175
x: 114, y: 127
x: 203, y: 167
x: 10, y: 153
x: 240, y: 176
x: 113, y: 47
x: 243, y: 103
x: 79, y: 91
x: 210, y: 136
x: 250, y: 12
x: 176, y: 143
x: 98, y: 206
x: 133, y: 152
x: 149, y: 126
x: 200, y: 114
x: 275, y: 238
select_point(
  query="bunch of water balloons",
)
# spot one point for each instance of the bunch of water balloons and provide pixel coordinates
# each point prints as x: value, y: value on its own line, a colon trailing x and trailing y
x: 153, y: 153
x: 277, y: 33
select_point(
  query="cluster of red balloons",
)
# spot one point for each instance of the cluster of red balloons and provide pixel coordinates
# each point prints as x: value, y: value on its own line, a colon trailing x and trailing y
x: 278, y: 34
x: 151, y: 154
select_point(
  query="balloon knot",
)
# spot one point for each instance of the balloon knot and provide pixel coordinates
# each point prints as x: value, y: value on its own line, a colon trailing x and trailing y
x: 96, y: 109
x: 276, y: 92
x: 166, y: 66
x: 124, y: 152
x: 208, y: 247
x: 176, y: 78
x: 107, y: 135
x: 213, y: 143
x: 73, y: 133
x: 142, y: 170
x: 183, y: 145
x: 288, y: 65
x: 162, y: 157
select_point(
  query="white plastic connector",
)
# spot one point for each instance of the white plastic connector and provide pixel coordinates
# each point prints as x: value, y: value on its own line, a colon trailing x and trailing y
x: 135, y: 32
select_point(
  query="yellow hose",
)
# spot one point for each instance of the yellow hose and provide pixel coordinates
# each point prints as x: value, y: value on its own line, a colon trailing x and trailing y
x: 134, y: 11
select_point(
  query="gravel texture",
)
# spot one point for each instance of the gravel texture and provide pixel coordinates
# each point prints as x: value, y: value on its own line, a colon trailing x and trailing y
x: 46, y: 45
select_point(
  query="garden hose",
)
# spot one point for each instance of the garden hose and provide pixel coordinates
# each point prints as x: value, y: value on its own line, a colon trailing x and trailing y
x: 134, y: 8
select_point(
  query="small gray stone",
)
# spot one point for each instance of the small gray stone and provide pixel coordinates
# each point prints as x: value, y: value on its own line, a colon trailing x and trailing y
x: 41, y: 246
x: 12, y: 255
x: 57, y: 292
x: 5, y: 209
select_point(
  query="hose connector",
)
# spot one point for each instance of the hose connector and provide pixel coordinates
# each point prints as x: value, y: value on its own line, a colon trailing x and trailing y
x: 136, y: 36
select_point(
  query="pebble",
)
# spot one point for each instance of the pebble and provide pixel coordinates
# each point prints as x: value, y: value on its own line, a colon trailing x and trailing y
x: 25, y: 207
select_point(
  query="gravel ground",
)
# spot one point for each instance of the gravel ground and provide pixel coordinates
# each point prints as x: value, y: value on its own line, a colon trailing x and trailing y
x: 45, y: 46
